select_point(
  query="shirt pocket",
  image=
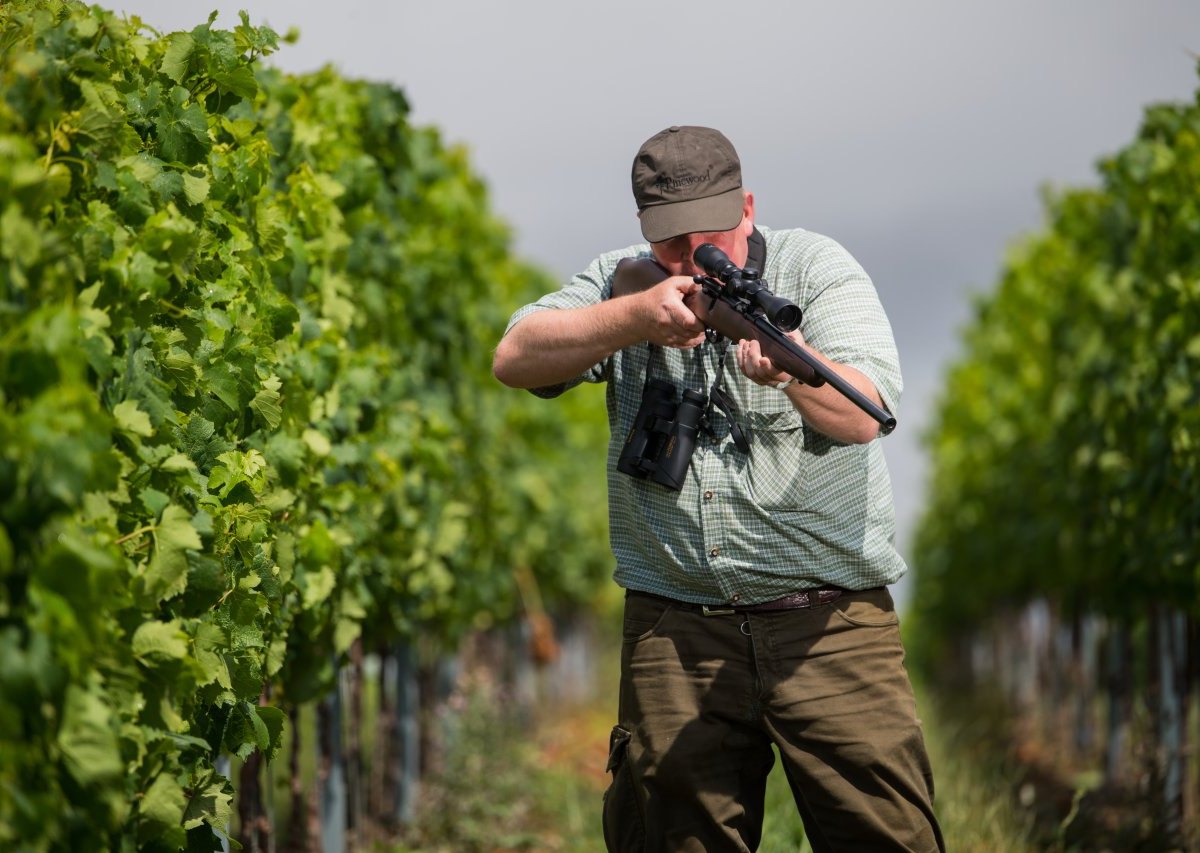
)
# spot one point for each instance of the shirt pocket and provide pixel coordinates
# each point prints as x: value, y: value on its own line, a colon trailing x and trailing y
x: 776, y: 466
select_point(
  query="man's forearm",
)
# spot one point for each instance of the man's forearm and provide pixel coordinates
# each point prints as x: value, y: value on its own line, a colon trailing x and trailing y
x: 824, y: 408
x: 831, y: 413
x: 556, y: 345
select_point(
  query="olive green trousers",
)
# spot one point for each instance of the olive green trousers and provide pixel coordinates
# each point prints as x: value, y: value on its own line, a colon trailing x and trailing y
x: 704, y: 697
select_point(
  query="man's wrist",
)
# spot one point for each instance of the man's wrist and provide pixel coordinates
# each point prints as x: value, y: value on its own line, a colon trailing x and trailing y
x: 787, y: 383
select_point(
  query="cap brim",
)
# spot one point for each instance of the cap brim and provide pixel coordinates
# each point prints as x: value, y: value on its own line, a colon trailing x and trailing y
x: 715, y: 213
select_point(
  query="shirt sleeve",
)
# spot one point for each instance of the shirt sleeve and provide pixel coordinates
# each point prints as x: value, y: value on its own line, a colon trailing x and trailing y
x: 845, y: 322
x: 590, y: 287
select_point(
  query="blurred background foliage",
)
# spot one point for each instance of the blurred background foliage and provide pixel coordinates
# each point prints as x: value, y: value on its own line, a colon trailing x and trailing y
x: 1066, y: 450
x: 1058, y: 557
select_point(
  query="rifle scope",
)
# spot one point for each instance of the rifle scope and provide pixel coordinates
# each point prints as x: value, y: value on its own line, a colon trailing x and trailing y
x: 745, y: 283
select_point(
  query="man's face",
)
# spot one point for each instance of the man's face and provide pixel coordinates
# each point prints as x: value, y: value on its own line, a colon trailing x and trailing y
x: 675, y: 255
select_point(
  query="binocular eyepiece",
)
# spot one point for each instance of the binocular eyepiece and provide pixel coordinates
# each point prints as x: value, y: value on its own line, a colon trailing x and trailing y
x: 661, y: 441
x: 746, y: 283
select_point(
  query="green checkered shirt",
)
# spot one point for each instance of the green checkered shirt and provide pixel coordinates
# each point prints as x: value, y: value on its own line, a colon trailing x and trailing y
x: 801, y: 509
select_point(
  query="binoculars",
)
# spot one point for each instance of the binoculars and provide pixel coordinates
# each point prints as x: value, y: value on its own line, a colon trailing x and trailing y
x: 661, y: 441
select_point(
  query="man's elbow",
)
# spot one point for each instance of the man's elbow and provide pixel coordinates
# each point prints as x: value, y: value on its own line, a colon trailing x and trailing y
x: 867, y: 433
x: 504, y: 364
x: 858, y: 429
x: 514, y: 365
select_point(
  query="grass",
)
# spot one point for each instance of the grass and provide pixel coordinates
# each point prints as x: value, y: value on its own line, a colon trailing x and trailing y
x: 974, y: 787
x: 503, y: 788
x: 509, y: 786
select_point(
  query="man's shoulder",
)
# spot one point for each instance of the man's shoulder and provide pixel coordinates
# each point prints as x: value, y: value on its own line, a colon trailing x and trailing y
x: 795, y: 240
x: 599, y: 272
x: 800, y: 251
x: 607, y: 262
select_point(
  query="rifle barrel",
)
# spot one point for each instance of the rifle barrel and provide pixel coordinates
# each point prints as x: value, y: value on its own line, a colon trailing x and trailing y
x: 815, y: 373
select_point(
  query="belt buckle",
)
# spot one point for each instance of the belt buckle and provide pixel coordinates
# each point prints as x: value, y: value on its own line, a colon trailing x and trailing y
x: 716, y: 611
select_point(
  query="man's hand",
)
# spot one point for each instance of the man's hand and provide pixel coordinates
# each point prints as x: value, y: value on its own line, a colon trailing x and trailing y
x: 757, y: 367
x: 667, y: 320
x: 549, y: 347
x: 823, y: 408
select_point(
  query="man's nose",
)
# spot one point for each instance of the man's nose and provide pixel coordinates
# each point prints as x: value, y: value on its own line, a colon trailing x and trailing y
x: 688, y: 245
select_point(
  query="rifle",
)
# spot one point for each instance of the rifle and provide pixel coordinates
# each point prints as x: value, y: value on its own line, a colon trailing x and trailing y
x: 735, y: 304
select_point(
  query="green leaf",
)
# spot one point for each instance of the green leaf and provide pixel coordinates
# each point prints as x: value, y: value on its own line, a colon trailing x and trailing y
x: 317, y: 442
x: 154, y: 500
x: 144, y: 275
x: 144, y: 385
x: 195, y: 189
x: 186, y: 742
x: 248, y: 730
x: 102, y: 120
x: 211, y: 642
x: 173, y: 536
x: 279, y: 500
x: 318, y: 586
x: 240, y: 81
x: 167, y: 186
x: 133, y: 203
x: 271, y: 226
x: 154, y: 642
x: 226, y: 384
x: 251, y: 39
x: 164, y: 802
x: 262, y: 737
x: 144, y: 167
x: 182, y: 129
x: 177, y: 55
x: 345, y: 632
x: 132, y: 420
x: 177, y: 463
x: 6, y: 552
x: 87, y: 738
x: 266, y: 402
x: 201, y: 443
x: 142, y: 102
x: 273, y: 720
x: 212, y: 804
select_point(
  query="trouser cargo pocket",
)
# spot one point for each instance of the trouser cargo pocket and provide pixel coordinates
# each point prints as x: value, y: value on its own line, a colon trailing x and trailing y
x: 624, y: 830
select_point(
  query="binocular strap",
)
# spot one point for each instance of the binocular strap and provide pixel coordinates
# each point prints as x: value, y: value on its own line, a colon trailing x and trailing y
x: 717, y: 396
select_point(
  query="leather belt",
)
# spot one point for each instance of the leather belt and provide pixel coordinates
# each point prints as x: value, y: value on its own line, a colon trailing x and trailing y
x: 795, y: 601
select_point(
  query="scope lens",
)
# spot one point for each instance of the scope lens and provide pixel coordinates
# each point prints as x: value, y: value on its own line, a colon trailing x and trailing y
x: 787, y: 317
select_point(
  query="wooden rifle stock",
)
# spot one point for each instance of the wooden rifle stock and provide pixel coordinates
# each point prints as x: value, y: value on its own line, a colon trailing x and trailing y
x: 717, y: 313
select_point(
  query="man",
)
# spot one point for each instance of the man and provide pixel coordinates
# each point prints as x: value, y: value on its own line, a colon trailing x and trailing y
x: 756, y: 608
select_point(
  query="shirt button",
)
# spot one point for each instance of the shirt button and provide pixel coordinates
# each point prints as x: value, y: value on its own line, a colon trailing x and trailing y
x: 735, y: 599
x: 714, y: 552
x: 708, y: 496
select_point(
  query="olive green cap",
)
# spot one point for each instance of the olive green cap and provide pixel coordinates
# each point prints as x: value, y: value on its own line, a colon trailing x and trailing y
x: 687, y: 179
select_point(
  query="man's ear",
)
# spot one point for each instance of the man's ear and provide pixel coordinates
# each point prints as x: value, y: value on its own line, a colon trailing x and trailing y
x: 748, y: 214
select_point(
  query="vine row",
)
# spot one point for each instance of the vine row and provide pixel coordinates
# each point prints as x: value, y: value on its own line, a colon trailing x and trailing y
x: 247, y: 414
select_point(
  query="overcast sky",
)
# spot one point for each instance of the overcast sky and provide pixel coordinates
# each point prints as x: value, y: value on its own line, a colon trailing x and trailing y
x: 918, y: 134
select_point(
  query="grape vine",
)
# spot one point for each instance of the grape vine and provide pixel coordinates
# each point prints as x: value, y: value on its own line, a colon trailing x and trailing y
x: 1066, y: 453
x: 245, y: 331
